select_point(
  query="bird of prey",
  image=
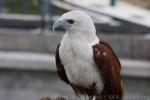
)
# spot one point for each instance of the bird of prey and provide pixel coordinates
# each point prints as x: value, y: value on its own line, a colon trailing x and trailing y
x: 86, y: 63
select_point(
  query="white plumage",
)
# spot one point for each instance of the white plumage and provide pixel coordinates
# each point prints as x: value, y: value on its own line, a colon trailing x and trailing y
x: 76, y: 54
x: 88, y: 65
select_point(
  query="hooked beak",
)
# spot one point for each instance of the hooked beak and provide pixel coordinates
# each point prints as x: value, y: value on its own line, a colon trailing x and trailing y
x: 62, y: 24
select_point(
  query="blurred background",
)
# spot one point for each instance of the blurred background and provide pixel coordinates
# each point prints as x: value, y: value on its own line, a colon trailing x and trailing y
x: 27, y: 45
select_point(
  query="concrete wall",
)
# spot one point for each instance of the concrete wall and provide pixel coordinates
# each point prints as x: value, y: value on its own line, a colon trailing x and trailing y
x: 32, y: 85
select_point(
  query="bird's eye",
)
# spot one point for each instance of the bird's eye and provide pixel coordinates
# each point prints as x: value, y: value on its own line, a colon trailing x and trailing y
x: 70, y: 21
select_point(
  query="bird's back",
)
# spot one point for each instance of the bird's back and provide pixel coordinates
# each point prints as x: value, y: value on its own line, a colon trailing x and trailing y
x: 110, y: 66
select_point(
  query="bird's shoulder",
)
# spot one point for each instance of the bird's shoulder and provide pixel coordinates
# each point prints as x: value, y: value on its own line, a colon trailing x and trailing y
x: 103, y: 52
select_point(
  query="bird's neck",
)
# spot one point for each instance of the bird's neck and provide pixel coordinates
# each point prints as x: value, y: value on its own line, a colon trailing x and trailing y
x: 90, y: 38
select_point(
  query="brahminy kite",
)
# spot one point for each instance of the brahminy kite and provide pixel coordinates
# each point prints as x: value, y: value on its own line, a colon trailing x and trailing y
x: 86, y: 63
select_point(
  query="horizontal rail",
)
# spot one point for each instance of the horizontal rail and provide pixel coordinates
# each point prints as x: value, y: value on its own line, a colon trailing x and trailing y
x: 46, y: 62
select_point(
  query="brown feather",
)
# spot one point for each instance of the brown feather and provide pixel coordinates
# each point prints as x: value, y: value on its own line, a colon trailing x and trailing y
x: 60, y: 68
x: 110, y: 67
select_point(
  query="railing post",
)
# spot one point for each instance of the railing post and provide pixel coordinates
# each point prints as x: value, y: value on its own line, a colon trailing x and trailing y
x: 46, y: 14
x: 1, y: 5
x: 25, y: 6
x: 113, y: 2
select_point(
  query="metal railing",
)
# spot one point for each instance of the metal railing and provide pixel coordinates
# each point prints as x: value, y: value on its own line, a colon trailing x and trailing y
x: 38, y: 7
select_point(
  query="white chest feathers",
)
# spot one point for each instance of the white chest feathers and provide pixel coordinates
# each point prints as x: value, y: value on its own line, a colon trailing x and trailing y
x: 77, y: 58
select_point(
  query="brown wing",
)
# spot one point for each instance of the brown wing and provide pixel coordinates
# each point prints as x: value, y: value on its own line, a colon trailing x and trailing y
x: 60, y: 68
x: 110, y: 67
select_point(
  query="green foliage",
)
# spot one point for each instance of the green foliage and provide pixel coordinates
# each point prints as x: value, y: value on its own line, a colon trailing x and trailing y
x: 18, y: 6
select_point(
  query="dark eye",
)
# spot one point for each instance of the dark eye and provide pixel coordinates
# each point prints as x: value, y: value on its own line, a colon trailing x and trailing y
x: 70, y: 21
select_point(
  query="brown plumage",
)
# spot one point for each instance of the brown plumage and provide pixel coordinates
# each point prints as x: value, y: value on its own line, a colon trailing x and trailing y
x: 108, y: 65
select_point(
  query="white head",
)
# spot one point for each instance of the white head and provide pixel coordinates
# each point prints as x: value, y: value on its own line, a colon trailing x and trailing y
x: 77, y: 22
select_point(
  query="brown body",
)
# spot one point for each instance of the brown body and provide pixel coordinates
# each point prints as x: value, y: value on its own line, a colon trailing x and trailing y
x: 108, y: 65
